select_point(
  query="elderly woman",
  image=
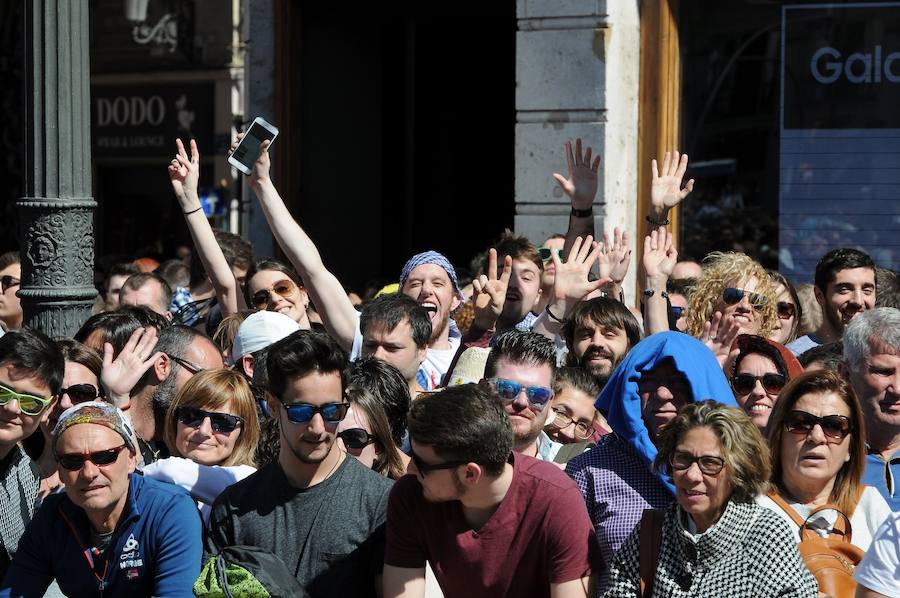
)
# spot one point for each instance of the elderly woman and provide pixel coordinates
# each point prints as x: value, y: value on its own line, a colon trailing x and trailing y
x: 817, y: 438
x: 761, y: 370
x: 717, y: 460
x: 788, y: 308
x: 212, y: 430
x: 737, y: 287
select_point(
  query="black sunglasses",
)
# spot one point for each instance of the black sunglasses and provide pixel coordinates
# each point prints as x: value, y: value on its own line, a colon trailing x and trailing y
x: 80, y: 393
x: 733, y: 295
x: 835, y: 427
x: 786, y: 310
x: 744, y: 383
x: 193, y: 368
x: 7, y: 281
x: 426, y: 468
x: 302, y: 413
x: 222, y: 423
x: 356, y: 438
x: 75, y: 461
x: 708, y: 464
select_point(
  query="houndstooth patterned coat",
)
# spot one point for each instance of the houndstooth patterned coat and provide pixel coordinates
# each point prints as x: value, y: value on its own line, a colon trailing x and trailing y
x: 750, y: 552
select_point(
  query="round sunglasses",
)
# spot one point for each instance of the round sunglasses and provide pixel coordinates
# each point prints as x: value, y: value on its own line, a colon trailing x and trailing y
x: 835, y: 427
x: 221, y: 423
x: 732, y: 295
x: 75, y: 461
x: 771, y: 383
x: 356, y: 438
x: 284, y: 288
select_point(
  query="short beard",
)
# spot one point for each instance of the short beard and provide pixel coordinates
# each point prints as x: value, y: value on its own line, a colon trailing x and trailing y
x: 165, y: 392
x: 601, y: 375
x: 525, y: 440
x: 298, y: 454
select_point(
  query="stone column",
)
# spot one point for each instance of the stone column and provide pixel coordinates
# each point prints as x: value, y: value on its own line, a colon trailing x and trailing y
x: 577, y: 75
x: 56, y: 214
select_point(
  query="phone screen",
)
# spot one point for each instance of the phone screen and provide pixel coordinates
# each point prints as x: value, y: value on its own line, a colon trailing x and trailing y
x: 248, y: 150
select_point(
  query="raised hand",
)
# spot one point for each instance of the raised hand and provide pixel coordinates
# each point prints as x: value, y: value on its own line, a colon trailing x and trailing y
x: 659, y: 254
x: 260, y: 170
x: 490, y: 291
x: 581, y: 185
x: 121, y: 374
x: 571, y: 282
x: 719, y: 334
x: 665, y: 189
x: 614, y: 257
x: 184, y: 171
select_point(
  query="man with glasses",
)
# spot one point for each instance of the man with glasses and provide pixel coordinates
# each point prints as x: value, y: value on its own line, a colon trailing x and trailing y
x: 10, y: 307
x: 31, y: 374
x: 844, y: 288
x: 112, y: 532
x: 319, y: 510
x: 659, y: 376
x: 490, y: 521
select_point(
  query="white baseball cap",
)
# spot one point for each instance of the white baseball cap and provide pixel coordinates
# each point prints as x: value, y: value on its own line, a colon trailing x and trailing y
x: 260, y: 330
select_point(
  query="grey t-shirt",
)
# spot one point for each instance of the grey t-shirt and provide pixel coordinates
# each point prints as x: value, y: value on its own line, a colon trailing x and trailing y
x: 802, y: 344
x: 330, y: 535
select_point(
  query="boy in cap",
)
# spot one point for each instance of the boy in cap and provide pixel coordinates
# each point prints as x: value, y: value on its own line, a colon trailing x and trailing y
x: 113, y: 532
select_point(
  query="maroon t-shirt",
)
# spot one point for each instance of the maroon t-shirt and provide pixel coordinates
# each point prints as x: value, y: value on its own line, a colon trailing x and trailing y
x: 540, y: 534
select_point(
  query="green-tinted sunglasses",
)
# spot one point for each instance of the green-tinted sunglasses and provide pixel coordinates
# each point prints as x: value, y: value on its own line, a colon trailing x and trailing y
x: 29, y: 404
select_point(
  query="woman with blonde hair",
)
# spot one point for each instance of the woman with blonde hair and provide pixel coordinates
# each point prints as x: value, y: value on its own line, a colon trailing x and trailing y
x: 718, y: 461
x: 211, y: 430
x: 733, y: 287
x: 817, y: 438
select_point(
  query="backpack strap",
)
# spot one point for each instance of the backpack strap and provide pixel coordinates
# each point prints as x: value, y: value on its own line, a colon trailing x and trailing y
x: 651, y: 540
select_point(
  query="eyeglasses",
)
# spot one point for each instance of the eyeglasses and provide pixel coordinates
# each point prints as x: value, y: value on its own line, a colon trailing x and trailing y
x: 786, y: 310
x: 29, y: 404
x: 75, y: 461
x: 676, y: 311
x: 302, y: 413
x: 546, y: 252
x: 221, y: 423
x: 732, y: 295
x: 744, y: 383
x: 708, y: 464
x: 80, y: 393
x: 835, y: 427
x: 193, y: 368
x: 356, y: 438
x: 426, y: 468
x: 7, y: 282
x: 509, y: 390
x: 562, y: 420
x: 285, y: 288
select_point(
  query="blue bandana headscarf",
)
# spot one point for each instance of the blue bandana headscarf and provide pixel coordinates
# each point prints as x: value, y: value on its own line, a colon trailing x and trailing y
x: 431, y: 257
x: 620, y: 402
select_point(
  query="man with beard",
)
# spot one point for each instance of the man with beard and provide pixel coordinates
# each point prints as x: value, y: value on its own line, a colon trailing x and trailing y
x: 147, y: 374
x: 519, y: 370
x: 598, y: 334
x: 321, y: 511
x: 491, y: 522
x: 872, y: 362
x: 844, y: 288
x: 427, y: 277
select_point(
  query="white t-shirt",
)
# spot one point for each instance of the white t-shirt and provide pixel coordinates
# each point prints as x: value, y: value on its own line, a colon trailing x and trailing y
x: 879, y: 570
x: 869, y: 514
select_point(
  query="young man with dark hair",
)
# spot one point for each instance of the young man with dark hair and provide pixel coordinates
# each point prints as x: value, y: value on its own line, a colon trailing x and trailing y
x: 491, y: 522
x: 829, y: 356
x: 519, y: 370
x: 115, y: 278
x: 320, y: 511
x: 149, y: 290
x: 31, y: 374
x: 598, y: 333
x: 396, y: 329
x: 844, y: 288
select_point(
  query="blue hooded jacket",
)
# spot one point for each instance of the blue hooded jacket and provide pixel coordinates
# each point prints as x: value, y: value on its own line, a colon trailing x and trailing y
x: 620, y: 402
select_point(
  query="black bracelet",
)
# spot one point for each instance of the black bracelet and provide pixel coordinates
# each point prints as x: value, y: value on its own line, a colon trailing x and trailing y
x: 192, y: 211
x: 583, y: 213
x: 553, y: 317
x: 654, y: 223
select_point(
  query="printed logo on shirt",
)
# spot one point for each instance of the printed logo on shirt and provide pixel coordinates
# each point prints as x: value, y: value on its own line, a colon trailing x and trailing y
x: 131, y: 557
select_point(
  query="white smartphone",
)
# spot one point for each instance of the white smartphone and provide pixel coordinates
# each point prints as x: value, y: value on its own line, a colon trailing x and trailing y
x: 247, y: 151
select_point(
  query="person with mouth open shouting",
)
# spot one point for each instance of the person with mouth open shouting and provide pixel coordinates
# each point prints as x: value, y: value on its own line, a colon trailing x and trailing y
x: 657, y: 378
x: 872, y: 362
x: 844, y: 288
x: 427, y: 277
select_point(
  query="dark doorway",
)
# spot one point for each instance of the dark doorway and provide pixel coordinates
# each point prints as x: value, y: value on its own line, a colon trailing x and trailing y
x: 406, y: 133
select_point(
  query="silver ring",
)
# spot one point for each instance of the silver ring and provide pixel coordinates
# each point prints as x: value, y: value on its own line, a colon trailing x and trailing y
x: 712, y: 338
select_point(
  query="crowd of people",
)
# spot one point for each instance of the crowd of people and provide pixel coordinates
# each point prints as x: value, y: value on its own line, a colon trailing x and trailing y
x: 237, y: 425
